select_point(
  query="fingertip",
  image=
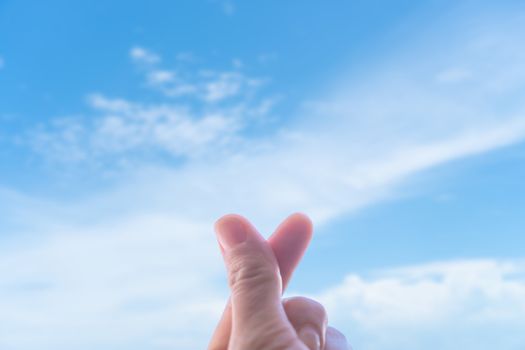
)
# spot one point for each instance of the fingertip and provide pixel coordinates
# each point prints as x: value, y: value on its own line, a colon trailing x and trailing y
x: 227, y: 218
x: 298, y: 223
x: 302, y: 217
x: 290, y: 241
x: 225, y: 224
x: 236, y: 227
x: 303, y: 220
x: 305, y: 223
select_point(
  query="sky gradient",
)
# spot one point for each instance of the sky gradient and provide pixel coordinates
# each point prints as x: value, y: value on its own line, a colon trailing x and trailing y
x: 127, y: 129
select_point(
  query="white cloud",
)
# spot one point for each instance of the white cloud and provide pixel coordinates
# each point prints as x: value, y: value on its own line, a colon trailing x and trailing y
x: 135, y: 266
x: 476, y: 304
x: 205, y: 85
x: 151, y: 281
x: 347, y: 149
x: 208, y: 87
x: 160, y: 77
x: 122, y: 127
x: 102, y: 103
x: 144, y: 56
x: 225, y: 86
x: 136, y: 283
x: 208, y: 111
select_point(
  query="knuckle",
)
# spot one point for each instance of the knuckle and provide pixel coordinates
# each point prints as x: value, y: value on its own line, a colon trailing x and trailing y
x: 250, y: 272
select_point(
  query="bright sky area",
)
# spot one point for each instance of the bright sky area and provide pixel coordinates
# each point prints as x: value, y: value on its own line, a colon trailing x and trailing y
x: 127, y: 128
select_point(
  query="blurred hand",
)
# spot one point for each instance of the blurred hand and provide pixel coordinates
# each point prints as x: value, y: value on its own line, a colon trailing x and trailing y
x: 256, y: 316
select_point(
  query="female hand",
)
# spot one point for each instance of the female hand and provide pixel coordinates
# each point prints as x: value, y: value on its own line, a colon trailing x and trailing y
x: 256, y: 317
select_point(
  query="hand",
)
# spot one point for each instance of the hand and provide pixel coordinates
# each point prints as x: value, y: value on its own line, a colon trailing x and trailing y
x: 258, y: 270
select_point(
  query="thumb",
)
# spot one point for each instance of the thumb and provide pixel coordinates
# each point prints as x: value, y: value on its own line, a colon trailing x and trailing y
x: 253, y: 276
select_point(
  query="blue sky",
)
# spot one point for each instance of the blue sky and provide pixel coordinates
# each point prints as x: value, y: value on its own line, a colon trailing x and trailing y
x: 127, y: 128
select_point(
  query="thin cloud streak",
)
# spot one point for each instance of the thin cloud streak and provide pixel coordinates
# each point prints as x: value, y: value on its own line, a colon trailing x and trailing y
x: 135, y: 254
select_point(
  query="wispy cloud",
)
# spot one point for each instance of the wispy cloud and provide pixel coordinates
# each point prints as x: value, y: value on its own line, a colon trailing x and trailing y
x: 2, y: 62
x: 121, y: 127
x: 348, y: 149
x: 211, y: 109
x: 126, y: 277
x: 143, y: 56
x: 205, y: 85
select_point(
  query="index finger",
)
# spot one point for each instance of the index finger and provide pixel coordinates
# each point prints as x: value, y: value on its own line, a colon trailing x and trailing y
x: 289, y: 242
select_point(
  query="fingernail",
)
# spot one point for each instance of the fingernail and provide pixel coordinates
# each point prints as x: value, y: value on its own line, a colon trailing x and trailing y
x: 310, y: 337
x: 230, y: 232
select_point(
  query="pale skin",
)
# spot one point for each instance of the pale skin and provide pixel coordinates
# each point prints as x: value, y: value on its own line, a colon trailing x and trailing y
x: 256, y: 316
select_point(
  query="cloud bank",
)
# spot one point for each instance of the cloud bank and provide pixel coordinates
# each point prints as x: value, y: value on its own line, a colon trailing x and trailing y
x: 473, y: 304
